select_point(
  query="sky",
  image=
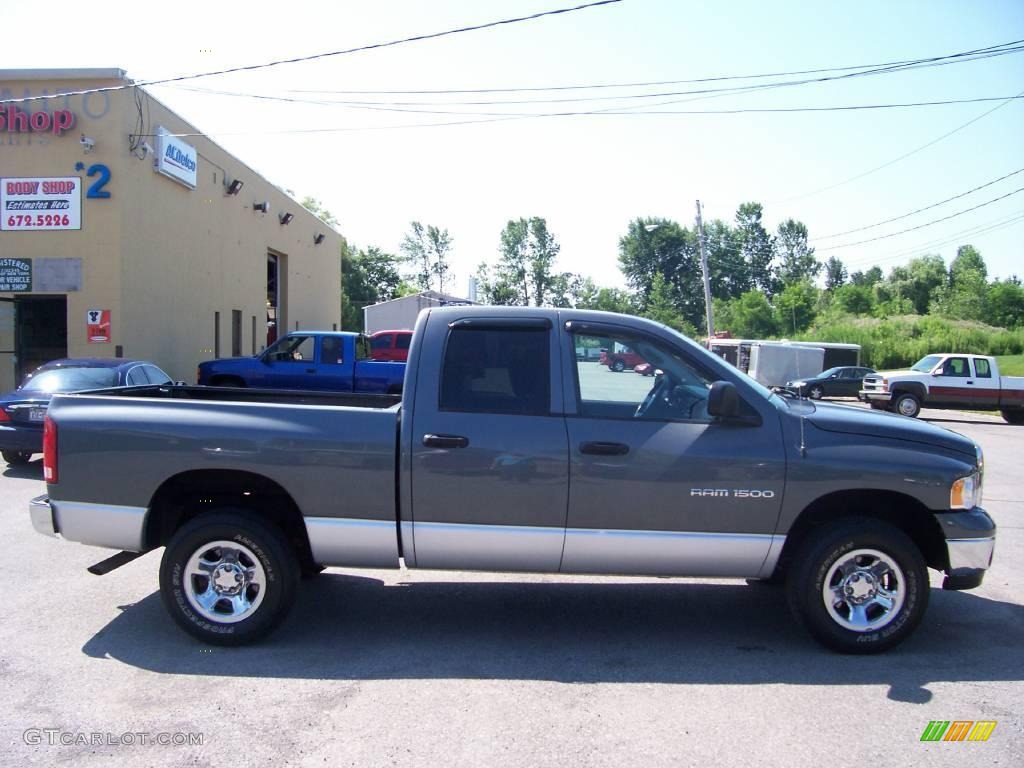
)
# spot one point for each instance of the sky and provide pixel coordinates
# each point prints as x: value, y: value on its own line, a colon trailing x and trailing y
x: 388, y: 160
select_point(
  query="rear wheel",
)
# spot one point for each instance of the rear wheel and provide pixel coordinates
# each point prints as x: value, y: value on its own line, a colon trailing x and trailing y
x: 1012, y: 416
x: 227, y: 579
x: 907, y: 405
x: 858, y: 585
x: 17, y: 458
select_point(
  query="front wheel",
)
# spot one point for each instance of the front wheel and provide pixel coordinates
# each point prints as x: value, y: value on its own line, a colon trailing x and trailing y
x: 859, y: 585
x: 227, y: 579
x: 816, y: 392
x: 618, y: 366
x: 17, y: 458
x: 1011, y: 416
x: 907, y: 405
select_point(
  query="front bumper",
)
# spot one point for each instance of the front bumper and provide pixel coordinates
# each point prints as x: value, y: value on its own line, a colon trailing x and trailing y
x: 970, y: 545
x: 878, y: 396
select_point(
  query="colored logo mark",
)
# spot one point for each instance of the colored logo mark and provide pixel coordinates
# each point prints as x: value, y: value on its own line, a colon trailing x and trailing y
x: 958, y: 730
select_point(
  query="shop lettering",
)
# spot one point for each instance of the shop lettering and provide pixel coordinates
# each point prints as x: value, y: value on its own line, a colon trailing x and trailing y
x: 176, y: 156
x: 13, y: 120
x: 32, y: 187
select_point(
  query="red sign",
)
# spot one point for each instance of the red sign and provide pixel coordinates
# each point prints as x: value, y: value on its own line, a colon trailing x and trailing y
x: 97, y: 326
x: 13, y: 120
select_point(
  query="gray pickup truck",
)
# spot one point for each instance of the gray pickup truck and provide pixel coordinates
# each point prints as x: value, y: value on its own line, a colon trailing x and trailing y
x: 507, y: 453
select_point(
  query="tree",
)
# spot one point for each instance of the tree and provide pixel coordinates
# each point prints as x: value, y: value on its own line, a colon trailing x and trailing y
x: 315, y: 207
x: 1004, y: 306
x: 835, y: 273
x: 917, y: 281
x: 869, y: 278
x: 964, y: 295
x: 525, y: 271
x: 797, y: 260
x: 426, y: 250
x: 748, y: 317
x: 661, y: 306
x: 795, y: 306
x: 367, y: 277
x: 757, y: 248
x: 654, y: 246
x: 854, y: 299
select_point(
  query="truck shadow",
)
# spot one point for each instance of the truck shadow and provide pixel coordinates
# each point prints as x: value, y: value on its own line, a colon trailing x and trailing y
x: 353, y: 628
x: 31, y: 471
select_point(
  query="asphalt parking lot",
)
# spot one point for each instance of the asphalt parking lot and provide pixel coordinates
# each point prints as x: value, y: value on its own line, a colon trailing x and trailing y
x: 424, y: 668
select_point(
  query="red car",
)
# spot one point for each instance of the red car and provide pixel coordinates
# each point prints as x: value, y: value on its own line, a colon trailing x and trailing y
x: 621, y: 359
x: 390, y: 345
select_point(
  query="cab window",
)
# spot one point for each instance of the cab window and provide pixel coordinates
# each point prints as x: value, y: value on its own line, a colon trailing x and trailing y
x: 497, y: 371
x: 982, y: 369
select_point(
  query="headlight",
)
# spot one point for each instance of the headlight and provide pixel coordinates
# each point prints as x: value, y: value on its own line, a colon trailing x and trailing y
x: 966, y: 492
x: 797, y: 383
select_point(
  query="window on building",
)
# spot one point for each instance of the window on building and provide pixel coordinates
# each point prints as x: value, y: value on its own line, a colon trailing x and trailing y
x: 216, y: 334
x: 236, y: 333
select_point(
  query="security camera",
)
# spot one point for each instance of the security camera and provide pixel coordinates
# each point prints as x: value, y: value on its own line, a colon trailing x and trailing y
x: 87, y: 143
x: 146, y: 148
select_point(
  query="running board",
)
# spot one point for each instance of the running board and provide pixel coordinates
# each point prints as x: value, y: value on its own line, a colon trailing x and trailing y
x: 113, y: 562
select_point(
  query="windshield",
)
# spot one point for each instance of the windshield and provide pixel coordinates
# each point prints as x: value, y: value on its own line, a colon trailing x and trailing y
x: 829, y: 372
x: 71, y: 379
x: 925, y: 364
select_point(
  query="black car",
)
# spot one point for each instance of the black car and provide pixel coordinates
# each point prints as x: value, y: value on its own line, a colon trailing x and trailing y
x: 842, y: 381
x: 22, y: 411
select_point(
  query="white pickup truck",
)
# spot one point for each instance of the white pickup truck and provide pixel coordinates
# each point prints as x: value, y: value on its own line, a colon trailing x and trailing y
x: 950, y: 380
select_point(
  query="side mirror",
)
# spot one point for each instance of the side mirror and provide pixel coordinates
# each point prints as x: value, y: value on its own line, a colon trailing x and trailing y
x: 834, y: 376
x: 723, y: 400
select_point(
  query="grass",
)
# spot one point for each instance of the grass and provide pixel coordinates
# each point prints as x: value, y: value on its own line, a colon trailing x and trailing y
x: 1011, y: 365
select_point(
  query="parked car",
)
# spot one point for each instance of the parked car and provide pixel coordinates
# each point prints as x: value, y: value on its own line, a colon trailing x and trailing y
x: 954, y: 380
x: 841, y: 381
x: 620, y: 358
x: 334, y: 361
x: 504, y: 453
x: 22, y: 411
x: 390, y: 345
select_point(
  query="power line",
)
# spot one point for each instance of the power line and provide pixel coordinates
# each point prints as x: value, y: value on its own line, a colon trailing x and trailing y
x: 994, y: 49
x: 298, y: 59
x: 922, y: 226
x: 901, y: 157
x: 921, y: 210
x: 920, y: 63
x: 491, y: 117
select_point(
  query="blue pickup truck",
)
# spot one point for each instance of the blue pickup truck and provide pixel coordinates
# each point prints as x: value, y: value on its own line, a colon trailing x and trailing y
x: 316, y: 360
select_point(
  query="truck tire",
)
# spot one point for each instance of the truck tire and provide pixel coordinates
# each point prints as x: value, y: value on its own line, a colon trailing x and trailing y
x: 618, y: 366
x: 906, y: 404
x: 858, y: 585
x: 1012, y: 416
x: 228, y: 579
x: 20, y: 458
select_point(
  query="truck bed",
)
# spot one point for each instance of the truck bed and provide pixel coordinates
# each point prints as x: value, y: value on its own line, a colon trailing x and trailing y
x: 248, y: 395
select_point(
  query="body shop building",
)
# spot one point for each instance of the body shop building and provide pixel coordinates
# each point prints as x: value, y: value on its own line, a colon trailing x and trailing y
x: 120, y: 239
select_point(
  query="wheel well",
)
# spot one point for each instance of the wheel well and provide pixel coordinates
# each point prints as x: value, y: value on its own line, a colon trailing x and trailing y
x: 917, y: 390
x: 900, y: 510
x: 189, y: 494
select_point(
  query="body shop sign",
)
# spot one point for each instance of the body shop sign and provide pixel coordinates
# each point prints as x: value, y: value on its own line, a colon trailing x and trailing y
x: 28, y: 204
x: 15, y: 275
x: 176, y: 159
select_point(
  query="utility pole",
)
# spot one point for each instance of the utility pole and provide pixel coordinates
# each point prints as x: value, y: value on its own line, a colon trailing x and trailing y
x: 705, y: 272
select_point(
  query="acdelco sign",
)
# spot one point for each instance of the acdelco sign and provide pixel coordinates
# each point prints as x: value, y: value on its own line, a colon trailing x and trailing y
x: 175, y: 159
x: 13, y: 120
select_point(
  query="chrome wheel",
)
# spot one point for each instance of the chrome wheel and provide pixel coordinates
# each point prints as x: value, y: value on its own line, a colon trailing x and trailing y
x: 224, y: 581
x: 816, y: 393
x: 907, y: 406
x: 864, y: 590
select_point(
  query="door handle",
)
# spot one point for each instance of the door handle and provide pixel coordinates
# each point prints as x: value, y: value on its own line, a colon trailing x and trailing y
x: 445, y: 441
x: 970, y: 382
x: 598, y: 448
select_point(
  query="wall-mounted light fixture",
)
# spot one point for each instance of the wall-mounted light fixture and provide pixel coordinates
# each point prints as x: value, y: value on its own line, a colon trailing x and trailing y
x: 263, y: 207
x: 318, y: 238
x: 286, y: 218
x: 233, y: 187
x: 88, y: 143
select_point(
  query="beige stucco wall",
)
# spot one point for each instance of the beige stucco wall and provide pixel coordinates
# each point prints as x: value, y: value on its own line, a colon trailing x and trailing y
x: 164, y: 258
